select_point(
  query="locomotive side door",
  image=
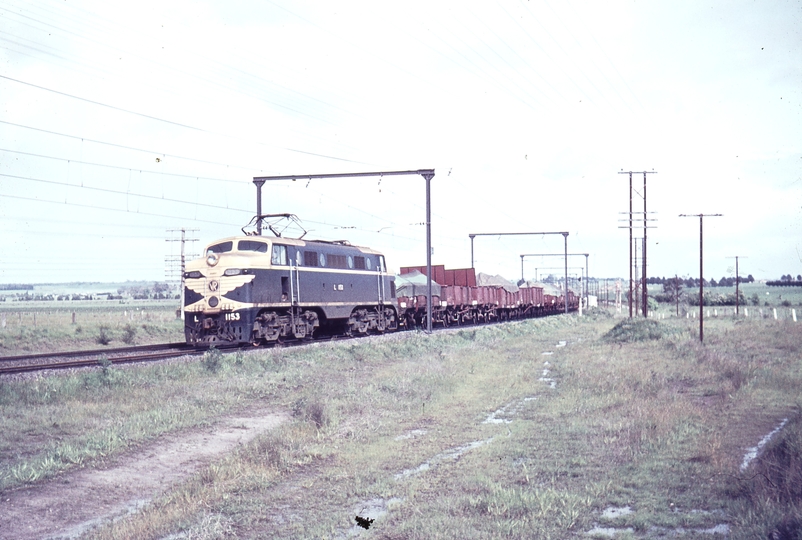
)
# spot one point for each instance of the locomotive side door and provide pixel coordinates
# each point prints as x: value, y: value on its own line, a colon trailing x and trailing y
x: 380, y: 272
x: 295, y: 279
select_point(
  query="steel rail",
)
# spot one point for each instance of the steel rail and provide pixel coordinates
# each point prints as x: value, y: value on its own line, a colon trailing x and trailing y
x: 117, y: 350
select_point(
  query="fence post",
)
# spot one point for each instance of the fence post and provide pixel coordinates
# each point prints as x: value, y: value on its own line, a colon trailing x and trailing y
x: 775, y: 314
x: 793, y: 315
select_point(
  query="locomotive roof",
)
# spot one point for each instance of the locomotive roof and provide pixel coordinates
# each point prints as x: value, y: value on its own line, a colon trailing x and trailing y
x: 296, y: 242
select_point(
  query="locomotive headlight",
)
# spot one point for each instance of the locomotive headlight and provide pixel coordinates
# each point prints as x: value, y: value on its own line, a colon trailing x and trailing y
x: 232, y: 272
x: 212, y: 259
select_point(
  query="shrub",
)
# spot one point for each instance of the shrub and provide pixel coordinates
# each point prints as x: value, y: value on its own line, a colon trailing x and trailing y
x: 104, y: 335
x: 129, y: 334
x: 212, y: 360
x: 630, y: 330
x: 311, y: 411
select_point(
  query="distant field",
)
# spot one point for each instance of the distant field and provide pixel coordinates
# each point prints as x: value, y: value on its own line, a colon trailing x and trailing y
x: 76, y: 288
x: 761, y: 301
x: 27, y: 327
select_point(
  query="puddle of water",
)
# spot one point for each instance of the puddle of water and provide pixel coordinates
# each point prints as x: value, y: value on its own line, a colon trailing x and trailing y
x: 502, y: 415
x: 548, y: 353
x: 612, y: 512
x: 493, y: 417
x: 451, y: 453
x: 545, y: 372
x: 411, y: 434
x: 752, y: 453
x: 552, y: 382
x: 722, y: 529
x: 546, y: 363
x: 608, y: 532
x: 372, y: 509
x: 561, y: 344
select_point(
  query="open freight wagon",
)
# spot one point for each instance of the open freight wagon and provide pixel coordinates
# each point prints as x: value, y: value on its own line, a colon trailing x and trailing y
x: 458, y: 299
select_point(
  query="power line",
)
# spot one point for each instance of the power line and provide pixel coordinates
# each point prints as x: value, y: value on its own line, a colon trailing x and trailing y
x: 115, y: 145
x: 127, y: 194
x: 140, y: 213
x: 118, y: 167
x: 206, y: 60
x: 194, y: 128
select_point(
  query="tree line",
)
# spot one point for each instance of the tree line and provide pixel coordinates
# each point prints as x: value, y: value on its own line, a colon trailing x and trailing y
x: 694, y: 282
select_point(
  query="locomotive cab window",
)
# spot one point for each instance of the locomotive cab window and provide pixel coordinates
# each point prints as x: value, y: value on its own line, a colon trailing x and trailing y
x: 380, y: 264
x: 220, y: 248
x: 279, y: 255
x: 359, y: 262
x: 252, y: 245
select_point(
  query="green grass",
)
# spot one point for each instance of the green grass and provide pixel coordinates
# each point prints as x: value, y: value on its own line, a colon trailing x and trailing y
x: 658, y: 424
x: 47, y: 326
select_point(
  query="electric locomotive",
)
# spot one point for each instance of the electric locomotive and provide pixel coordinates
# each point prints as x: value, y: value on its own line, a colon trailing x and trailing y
x: 256, y: 289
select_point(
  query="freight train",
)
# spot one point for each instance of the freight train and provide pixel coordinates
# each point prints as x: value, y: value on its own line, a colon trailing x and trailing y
x: 257, y: 289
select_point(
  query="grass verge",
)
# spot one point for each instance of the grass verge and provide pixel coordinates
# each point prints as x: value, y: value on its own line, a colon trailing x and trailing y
x: 456, y: 435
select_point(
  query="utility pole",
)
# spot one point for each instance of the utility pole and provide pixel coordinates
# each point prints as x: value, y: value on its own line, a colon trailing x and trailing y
x: 701, y: 272
x: 676, y: 291
x: 176, y: 264
x: 737, y: 286
x: 644, y: 289
x: 635, y: 281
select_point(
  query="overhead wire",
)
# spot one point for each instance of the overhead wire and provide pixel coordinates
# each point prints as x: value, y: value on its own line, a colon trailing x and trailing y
x: 496, y: 53
x: 121, y: 168
x: 125, y: 193
x: 186, y: 126
x: 215, y: 81
x: 594, y: 64
x: 609, y: 60
x: 152, y: 152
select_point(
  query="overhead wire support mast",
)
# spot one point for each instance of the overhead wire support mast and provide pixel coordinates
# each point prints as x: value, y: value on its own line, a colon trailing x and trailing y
x: 587, y: 276
x: 643, y: 276
x: 701, y: 272
x: 427, y: 175
x: 565, y: 238
x: 171, y: 261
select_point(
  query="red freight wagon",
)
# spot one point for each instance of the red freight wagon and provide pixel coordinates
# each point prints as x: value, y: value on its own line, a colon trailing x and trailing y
x: 438, y: 272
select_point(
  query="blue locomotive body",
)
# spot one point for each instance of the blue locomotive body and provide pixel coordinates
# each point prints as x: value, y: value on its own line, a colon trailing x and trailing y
x: 251, y: 289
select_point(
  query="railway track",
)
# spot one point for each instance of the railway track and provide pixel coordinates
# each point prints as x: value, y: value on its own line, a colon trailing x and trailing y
x: 142, y: 353
x: 74, y: 359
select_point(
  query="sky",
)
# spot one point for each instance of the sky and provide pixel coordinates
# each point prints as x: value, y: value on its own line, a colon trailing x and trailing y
x: 124, y: 122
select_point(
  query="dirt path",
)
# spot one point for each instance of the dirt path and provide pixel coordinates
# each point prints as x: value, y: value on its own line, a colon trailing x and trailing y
x: 71, y: 504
